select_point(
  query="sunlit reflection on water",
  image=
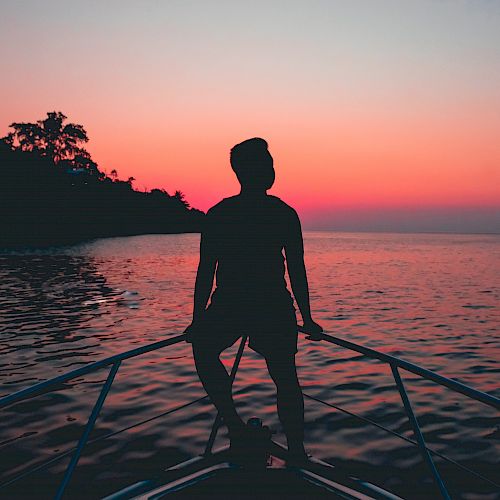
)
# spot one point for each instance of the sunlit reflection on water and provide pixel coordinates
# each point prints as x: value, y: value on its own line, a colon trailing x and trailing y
x: 431, y: 299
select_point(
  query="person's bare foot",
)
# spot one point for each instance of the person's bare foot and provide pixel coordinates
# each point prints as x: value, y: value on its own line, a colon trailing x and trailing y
x: 297, y: 460
x: 297, y: 456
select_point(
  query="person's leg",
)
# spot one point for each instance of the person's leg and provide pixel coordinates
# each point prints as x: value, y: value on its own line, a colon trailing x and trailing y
x: 290, y: 400
x: 217, y: 383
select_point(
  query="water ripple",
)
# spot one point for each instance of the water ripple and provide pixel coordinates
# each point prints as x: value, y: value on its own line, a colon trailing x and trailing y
x: 431, y: 299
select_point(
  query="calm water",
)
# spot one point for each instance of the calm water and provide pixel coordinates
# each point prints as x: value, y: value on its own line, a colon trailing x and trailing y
x: 431, y: 299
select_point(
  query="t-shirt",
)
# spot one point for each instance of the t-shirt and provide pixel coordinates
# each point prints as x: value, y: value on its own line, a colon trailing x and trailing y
x: 247, y: 236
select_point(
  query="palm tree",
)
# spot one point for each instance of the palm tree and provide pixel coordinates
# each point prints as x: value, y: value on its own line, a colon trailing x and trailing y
x: 180, y: 197
x: 50, y: 137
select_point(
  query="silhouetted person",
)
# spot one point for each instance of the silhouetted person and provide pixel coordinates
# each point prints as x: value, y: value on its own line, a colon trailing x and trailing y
x: 242, y: 243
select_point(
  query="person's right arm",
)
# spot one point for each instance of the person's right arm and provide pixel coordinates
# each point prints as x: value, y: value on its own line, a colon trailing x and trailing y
x: 205, y: 274
x: 204, y: 278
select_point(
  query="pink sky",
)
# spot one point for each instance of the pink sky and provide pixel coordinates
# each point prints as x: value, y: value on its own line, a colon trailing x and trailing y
x: 365, y: 108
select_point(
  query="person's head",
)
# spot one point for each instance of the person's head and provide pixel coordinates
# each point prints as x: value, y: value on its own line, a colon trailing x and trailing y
x: 253, y: 164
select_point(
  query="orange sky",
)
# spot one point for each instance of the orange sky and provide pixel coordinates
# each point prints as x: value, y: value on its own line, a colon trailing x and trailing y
x: 363, y: 106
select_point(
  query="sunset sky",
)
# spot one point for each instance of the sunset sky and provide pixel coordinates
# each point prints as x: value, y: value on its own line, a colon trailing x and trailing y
x: 380, y: 115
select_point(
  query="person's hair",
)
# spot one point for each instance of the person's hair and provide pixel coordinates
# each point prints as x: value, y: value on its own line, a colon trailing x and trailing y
x: 252, y: 163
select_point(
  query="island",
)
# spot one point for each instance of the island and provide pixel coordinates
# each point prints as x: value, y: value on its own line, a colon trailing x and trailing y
x: 53, y: 193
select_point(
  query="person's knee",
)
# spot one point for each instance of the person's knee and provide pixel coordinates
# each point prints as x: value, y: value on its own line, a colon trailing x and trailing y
x: 283, y: 359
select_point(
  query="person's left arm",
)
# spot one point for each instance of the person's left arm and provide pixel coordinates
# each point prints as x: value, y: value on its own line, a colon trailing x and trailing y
x: 294, y: 251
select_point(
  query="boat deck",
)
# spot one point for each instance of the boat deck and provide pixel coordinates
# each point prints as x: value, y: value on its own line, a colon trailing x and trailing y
x: 219, y: 474
x: 245, y: 485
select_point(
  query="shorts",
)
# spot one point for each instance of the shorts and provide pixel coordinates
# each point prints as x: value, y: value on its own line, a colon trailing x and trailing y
x: 269, y: 321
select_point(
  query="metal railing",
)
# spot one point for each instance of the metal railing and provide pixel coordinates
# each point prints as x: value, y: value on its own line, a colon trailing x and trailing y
x: 48, y: 385
x: 397, y: 363
x: 218, y: 419
x: 116, y: 360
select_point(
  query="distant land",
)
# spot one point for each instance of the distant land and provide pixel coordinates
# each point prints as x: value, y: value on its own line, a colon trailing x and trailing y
x: 52, y: 192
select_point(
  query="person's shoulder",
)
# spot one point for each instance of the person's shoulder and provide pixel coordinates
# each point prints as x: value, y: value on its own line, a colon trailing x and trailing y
x: 283, y: 207
x: 222, y: 206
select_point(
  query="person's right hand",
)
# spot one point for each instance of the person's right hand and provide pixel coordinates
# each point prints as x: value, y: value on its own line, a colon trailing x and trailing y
x: 190, y: 330
x: 312, y: 329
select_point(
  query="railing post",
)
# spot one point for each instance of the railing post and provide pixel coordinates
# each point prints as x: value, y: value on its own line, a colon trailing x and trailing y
x: 218, y: 419
x: 418, y: 433
x: 88, y: 429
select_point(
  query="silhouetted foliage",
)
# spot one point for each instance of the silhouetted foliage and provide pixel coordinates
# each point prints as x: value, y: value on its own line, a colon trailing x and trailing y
x: 180, y: 197
x: 53, y: 192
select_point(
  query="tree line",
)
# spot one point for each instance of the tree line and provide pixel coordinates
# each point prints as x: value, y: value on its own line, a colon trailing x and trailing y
x: 53, y: 192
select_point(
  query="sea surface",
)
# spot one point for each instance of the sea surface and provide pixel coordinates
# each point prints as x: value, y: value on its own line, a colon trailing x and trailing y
x: 432, y: 299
